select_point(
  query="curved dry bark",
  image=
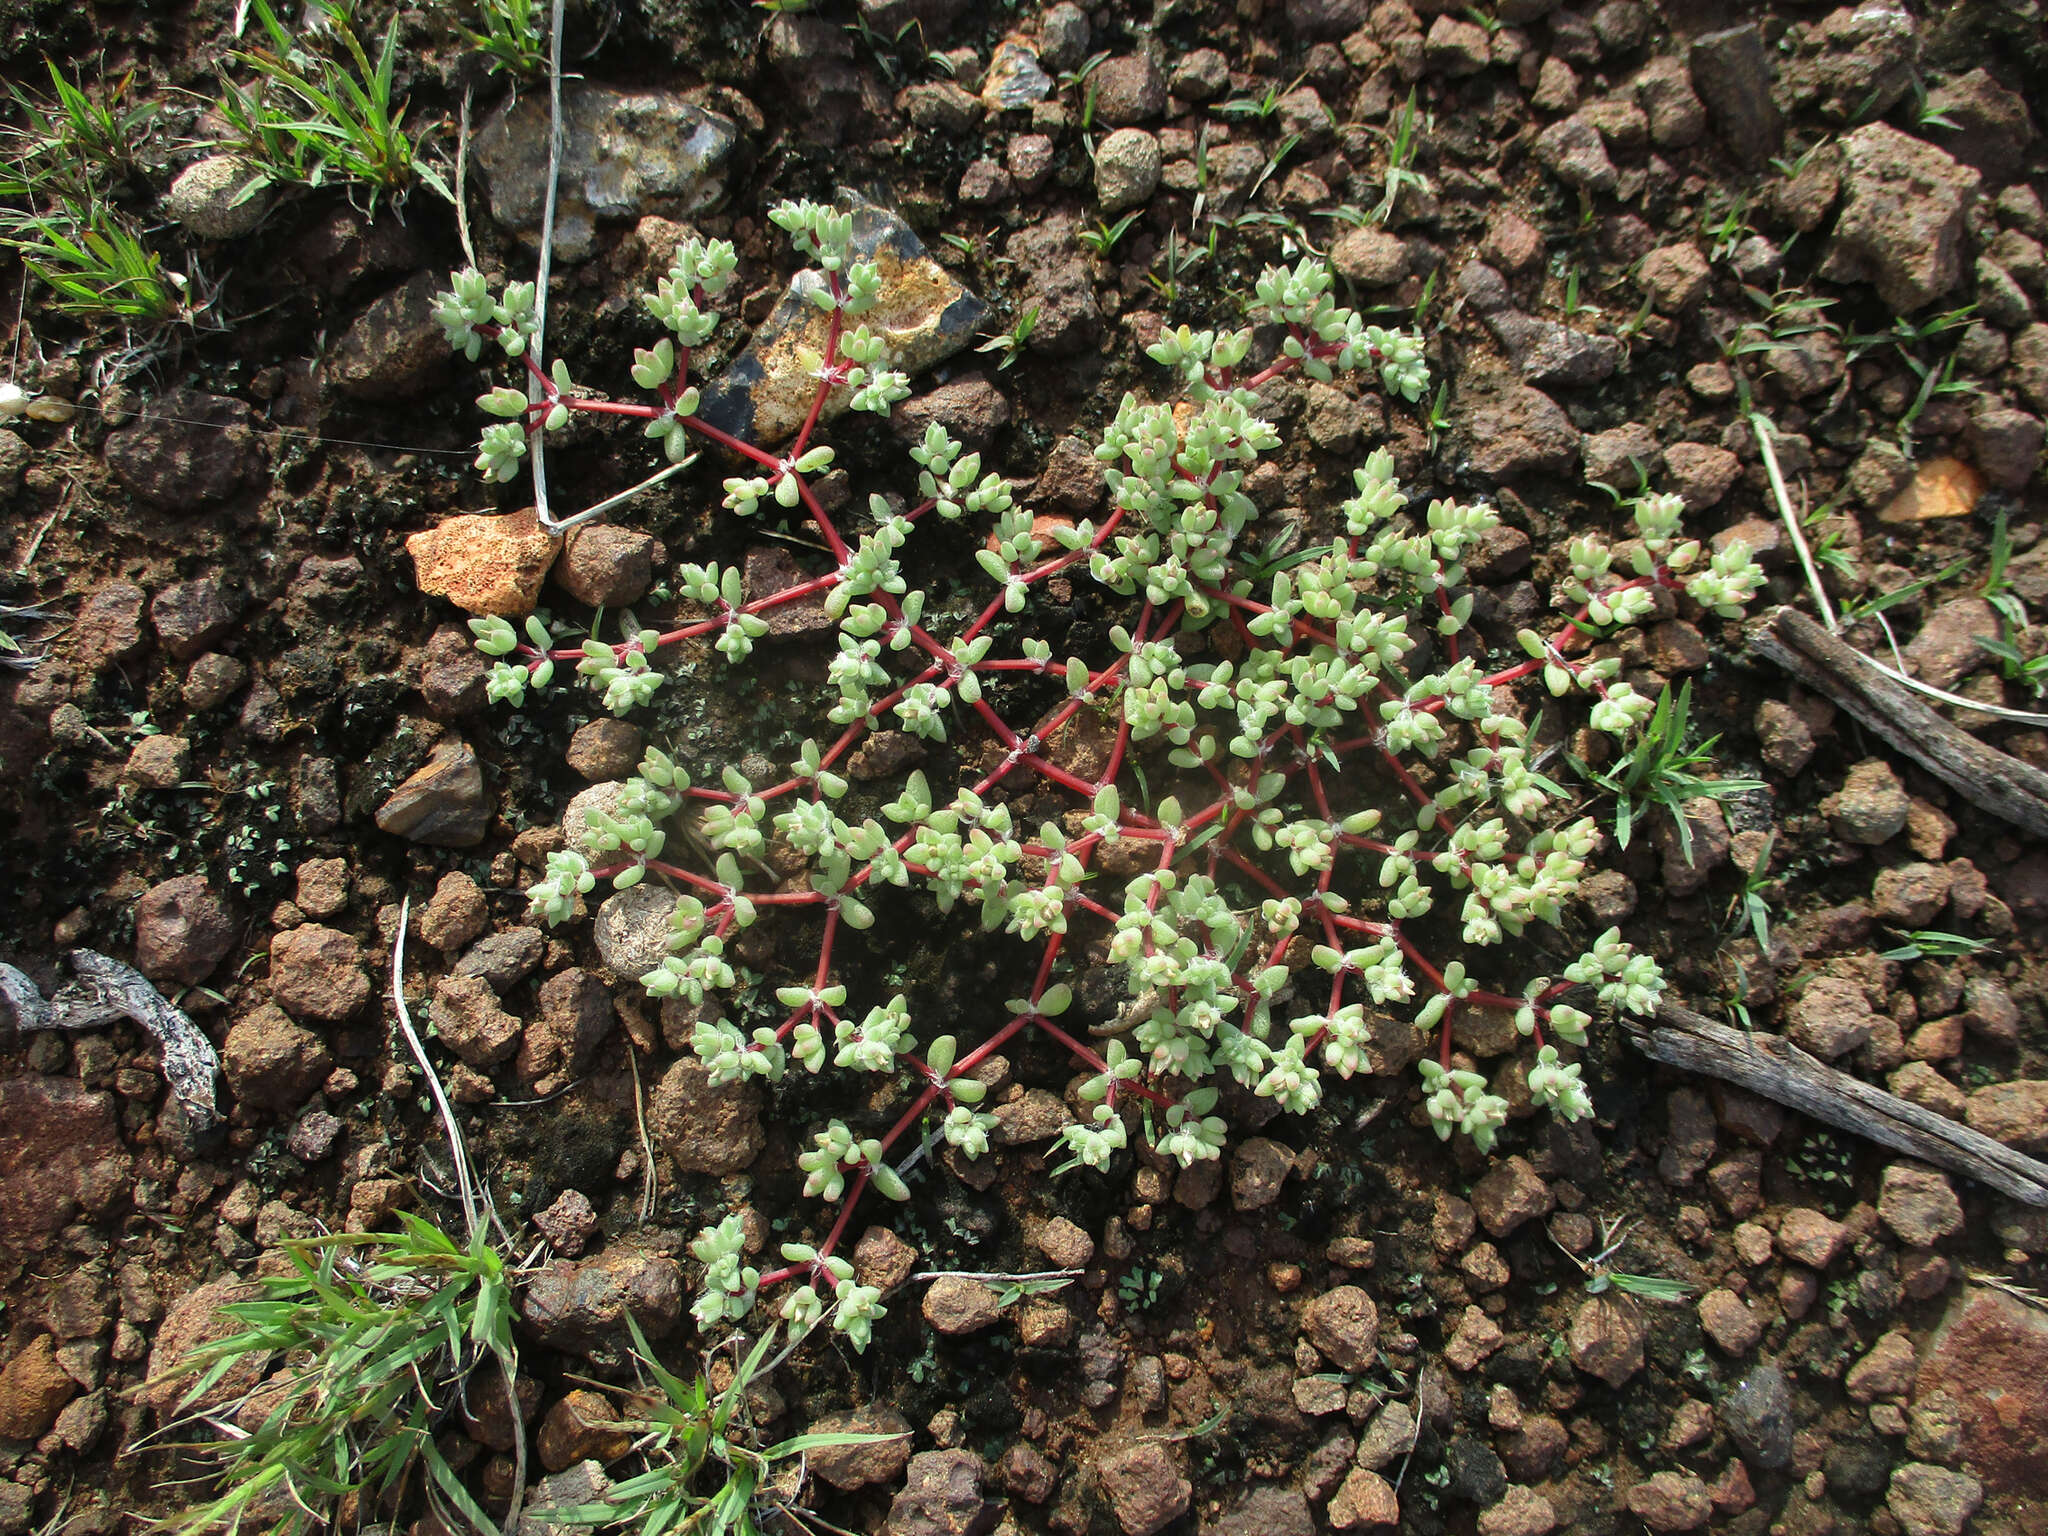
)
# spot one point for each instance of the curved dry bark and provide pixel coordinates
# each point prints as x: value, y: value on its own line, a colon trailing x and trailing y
x: 107, y: 990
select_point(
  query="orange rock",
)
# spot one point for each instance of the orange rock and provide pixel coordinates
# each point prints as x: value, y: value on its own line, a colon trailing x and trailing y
x: 485, y: 564
x: 1940, y: 488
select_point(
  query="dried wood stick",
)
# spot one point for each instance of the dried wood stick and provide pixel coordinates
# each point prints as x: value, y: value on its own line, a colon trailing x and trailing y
x: 1992, y: 780
x: 1776, y: 1069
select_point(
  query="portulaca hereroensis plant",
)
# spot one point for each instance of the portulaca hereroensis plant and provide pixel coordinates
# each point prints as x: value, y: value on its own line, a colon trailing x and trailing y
x: 1344, y: 759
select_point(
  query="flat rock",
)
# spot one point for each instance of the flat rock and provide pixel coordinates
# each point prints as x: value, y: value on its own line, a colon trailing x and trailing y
x: 1548, y: 353
x: 1510, y: 1194
x: 1370, y: 256
x: 503, y: 959
x: 604, y: 750
x: 455, y: 914
x: 1263, y: 1509
x: 396, y: 348
x: 705, y: 1129
x: 771, y: 569
x: 1057, y: 283
x: 1608, y: 1336
x: 468, y: 1021
x: 2015, y: 1113
x: 580, y: 1308
x: 847, y: 1467
x: 1858, y: 63
x: 1344, y: 1324
x: 1671, y: 1501
x: 442, y: 805
x: 1886, y: 1370
x: 60, y: 1153
x: 185, y: 450
x: 923, y: 317
x: 189, y: 616
x: 1143, y: 1488
x: 1365, y: 1501
x: 34, y: 1388
x: 317, y: 973
x: 1871, y: 805
x: 218, y: 197
x: 1014, y: 79
x: 272, y: 1063
x: 1901, y: 226
x: 484, y: 563
x: 625, y: 154
x: 1572, y: 150
x: 1505, y: 434
x: 1810, y: 1237
x: 955, y: 1305
x: 1946, y: 649
x: 942, y: 1496
x: 1127, y: 165
x: 196, y: 1318
x: 1991, y: 1354
x: 109, y: 625
x: 581, y: 1426
x: 1258, y: 1169
x: 575, y: 1016
x: 607, y: 566
x: 183, y: 929
x: 631, y: 930
x: 1992, y: 127
x: 1928, y: 1500
x: 1731, y: 74
x: 1940, y: 488
x: 1758, y: 1416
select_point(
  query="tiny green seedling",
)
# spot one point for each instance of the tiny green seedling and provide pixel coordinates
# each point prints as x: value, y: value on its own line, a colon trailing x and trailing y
x: 1010, y: 344
x: 1103, y: 238
x: 1014, y: 1288
x: 1935, y: 944
x: 13, y: 623
x: 1178, y: 259
x: 705, y: 1474
x: 1727, y: 229
x: 1866, y: 607
x: 1571, y: 307
x: 1998, y: 588
x: 1925, y: 113
x: 1402, y: 145
x: 1661, y: 769
x: 1258, y: 107
x: 1439, y: 414
x: 1078, y: 76
x: 1138, y: 1289
x: 1753, y: 905
x: 2016, y: 666
x: 1601, y: 1277
x: 511, y: 38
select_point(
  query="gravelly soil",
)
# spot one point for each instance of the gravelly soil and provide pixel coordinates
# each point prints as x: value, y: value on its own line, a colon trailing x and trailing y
x: 1621, y: 230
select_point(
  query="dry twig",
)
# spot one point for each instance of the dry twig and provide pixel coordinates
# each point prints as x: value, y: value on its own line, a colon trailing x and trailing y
x: 1988, y: 778
x: 1776, y: 1069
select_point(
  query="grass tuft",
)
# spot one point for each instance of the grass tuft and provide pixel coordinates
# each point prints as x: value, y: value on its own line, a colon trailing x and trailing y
x: 376, y: 1334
